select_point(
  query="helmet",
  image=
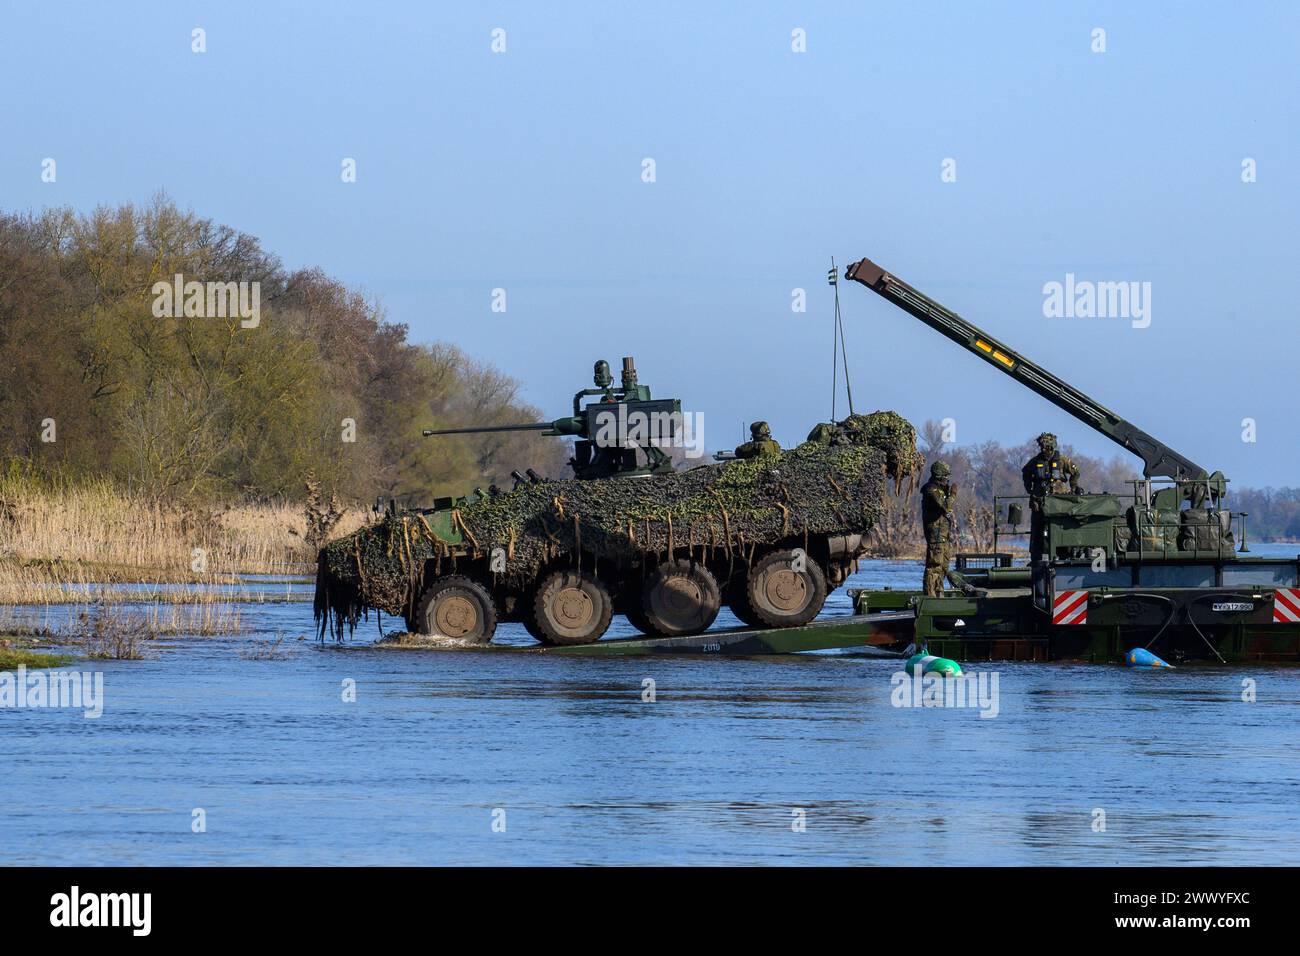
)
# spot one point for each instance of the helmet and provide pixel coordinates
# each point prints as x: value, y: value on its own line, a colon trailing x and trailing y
x: 1046, y: 440
x: 602, y: 376
x: 855, y: 424
x: 940, y: 469
x: 760, y: 431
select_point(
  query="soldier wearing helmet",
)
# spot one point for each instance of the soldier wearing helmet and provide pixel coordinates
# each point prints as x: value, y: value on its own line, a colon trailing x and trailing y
x: 937, y: 496
x: 760, y: 442
x: 1047, y: 473
x: 853, y: 430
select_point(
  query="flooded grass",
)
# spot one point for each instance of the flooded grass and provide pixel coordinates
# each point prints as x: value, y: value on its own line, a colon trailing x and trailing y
x: 273, y: 650
x: 34, y: 585
x: 15, y: 657
x: 105, y: 631
x: 203, y: 620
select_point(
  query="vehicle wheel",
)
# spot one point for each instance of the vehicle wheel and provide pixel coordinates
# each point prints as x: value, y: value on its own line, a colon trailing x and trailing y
x: 571, y: 607
x: 525, y: 607
x: 680, y: 598
x: 781, y: 596
x: 530, y: 625
x: 635, y: 616
x: 738, y: 601
x: 459, y: 607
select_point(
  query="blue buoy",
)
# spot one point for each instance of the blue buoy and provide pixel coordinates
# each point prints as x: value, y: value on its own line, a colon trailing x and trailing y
x: 1141, y: 657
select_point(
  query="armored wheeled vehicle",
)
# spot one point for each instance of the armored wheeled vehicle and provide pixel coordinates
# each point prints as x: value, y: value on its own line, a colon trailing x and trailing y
x: 630, y: 533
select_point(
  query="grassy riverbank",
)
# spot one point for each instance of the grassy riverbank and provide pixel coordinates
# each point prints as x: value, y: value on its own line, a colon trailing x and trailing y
x: 14, y: 657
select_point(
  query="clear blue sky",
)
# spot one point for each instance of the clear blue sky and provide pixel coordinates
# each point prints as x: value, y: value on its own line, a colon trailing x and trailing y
x: 523, y: 171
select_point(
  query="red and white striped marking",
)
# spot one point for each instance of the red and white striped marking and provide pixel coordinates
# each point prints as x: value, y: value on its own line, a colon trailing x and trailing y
x: 1070, y: 607
x: 1286, y: 606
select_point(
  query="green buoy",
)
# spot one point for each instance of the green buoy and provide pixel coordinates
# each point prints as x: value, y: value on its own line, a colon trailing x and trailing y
x: 929, y: 664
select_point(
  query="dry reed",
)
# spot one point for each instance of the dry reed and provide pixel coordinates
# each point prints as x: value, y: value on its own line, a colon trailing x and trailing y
x: 60, y: 542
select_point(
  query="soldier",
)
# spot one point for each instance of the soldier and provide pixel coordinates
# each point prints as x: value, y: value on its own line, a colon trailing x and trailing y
x: 937, y: 496
x: 850, y: 431
x: 1047, y: 473
x: 822, y: 433
x: 760, y: 442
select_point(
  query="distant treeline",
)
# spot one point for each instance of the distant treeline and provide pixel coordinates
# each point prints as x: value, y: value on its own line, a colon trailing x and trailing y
x: 94, y: 381
x: 983, y: 470
x: 1274, y: 513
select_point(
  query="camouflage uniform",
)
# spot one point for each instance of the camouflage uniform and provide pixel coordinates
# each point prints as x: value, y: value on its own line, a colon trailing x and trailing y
x: 822, y: 433
x: 1047, y: 473
x: 936, y: 518
x: 851, y: 431
x: 760, y: 442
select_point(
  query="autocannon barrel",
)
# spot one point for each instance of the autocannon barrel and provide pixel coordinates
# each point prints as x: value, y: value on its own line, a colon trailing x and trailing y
x: 561, y: 426
x: 474, y: 430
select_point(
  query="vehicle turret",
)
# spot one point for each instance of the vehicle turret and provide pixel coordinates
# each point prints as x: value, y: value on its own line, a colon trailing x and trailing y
x: 610, y: 430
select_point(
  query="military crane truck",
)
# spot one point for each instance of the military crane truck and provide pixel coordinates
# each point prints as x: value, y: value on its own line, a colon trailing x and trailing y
x: 1155, y: 567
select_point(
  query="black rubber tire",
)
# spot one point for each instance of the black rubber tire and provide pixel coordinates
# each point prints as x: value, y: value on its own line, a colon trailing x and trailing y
x: 458, y: 607
x: 571, y: 607
x: 737, y: 601
x: 680, y: 598
x: 779, y: 596
x: 530, y: 625
x: 635, y: 616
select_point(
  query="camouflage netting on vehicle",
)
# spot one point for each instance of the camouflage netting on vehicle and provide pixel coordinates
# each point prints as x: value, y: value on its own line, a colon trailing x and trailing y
x: 822, y: 487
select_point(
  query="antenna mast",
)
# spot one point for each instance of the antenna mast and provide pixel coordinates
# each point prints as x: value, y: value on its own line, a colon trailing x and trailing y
x: 837, y: 344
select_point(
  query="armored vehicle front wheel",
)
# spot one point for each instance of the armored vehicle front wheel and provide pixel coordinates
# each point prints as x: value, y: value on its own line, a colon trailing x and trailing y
x: 786, y: 589
x: 571, y: 607
x: 459, y: 607
x: 680, y: 598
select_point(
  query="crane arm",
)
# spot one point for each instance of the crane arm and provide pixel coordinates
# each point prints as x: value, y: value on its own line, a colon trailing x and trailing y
x: 1158, y: 459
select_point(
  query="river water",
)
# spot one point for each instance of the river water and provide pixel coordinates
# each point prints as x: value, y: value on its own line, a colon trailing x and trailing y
x: 463, y: 757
